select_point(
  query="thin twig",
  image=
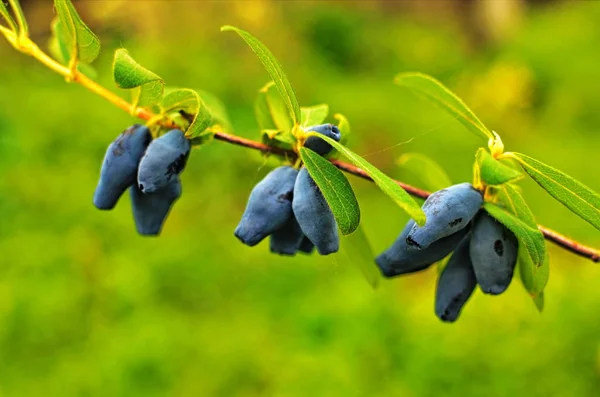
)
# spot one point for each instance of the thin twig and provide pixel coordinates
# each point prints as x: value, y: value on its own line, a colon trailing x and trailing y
x: 550, y: 235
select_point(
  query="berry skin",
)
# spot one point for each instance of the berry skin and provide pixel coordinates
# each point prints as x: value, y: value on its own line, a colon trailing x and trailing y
x: 306, y: 246
x: 456, y: 284
x: 493, y: 253
x: 314, y: 215
x: 287, y: 240
x: 120, y: 165
x: 269, y: 206
x: 318, y: 145
x: 448, y: 211
x: 151, y: 210
x: 400, y: 258
x: 163, y: 161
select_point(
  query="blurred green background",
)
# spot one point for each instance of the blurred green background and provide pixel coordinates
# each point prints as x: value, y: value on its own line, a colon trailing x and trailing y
x: 89, y: 308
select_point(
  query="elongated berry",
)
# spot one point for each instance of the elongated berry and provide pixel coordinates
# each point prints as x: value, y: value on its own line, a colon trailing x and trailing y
x: 314, y: 215
x: 400, y: 258
x: 456, y: 283
x: 163, y: 161
x: 120, y: 165
x: 448, y: 211
x: 150, y: 210
x: 269, y: 206
x: 306, y: 246
x: 493, y: 251
x: 287, y: 239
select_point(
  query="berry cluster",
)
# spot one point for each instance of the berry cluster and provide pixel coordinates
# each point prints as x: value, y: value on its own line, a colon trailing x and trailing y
x: 483, y: 251
x: 149, y: 168
x: 289, y: 206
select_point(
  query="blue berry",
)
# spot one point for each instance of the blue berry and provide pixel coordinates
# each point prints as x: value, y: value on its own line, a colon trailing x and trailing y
x: 400, y: 258
x: 493, y: 253
x: 120, y: 165
x: 314, y: 215
x: 456, y: 284
x: 269, y: 206
x: 448, y: 211
x: 163, y: 161
x: 319, y: 145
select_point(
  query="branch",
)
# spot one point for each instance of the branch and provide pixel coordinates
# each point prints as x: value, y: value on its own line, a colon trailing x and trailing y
x: 550, y: 235
x: 28, y: 47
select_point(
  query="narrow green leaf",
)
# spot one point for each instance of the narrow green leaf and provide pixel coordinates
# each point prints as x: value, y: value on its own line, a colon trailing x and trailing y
x: 276, y: 138
x: 538, y: 300
x: 277, y: 109
x: 285, y: 137
x: 431, y: 174
x: 7, y: 17
x: 577, y: 197
x: 271, y: 111
x: 83, y: 44
x: 262, y: 110
x: 188, y: 101
x: 217, y: 110
x: 358, y: 251
x: 335, y: 188
x: 20, y: 16
x: 274, y: 69
x: 534, y: 278
x: 57, y: 44
x: 530, y: 237
x: 435, y: 91
x: 492, y: 171
x: 147, y: 86
x: 385, y: 183
x: 314, y: 115
x: 510, y: 196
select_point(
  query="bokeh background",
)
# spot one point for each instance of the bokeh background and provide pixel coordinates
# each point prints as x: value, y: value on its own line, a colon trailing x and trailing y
x: 89, y: 308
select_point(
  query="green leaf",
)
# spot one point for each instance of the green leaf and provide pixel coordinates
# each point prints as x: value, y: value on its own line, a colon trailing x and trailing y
x: 147, y: 86
x: 384, y: 182
x: 188, y: 101
x: 534, y: 277
x: 358, y: 251
x: 435, y: 91
x: 262, y: 110
x: 217, y: 110
x: 538, y: 300
x: 6, y: 15
x: 57, y: 44
x: 431, y: 174
x: 20, y: 16
x: 530, y: 237
x: 335, y: 188
x: 492, y: 171
x: 83, y: 44
x: 314, y: 115
x: 274, y: 69
x: 577, y: 197
x: 58, y: 48
x: 285, y: 137
x: 278, y: 109
x: 510, y: 196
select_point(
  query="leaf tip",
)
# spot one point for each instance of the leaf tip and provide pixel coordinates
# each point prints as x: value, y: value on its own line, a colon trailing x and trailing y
x: 420, y: 219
